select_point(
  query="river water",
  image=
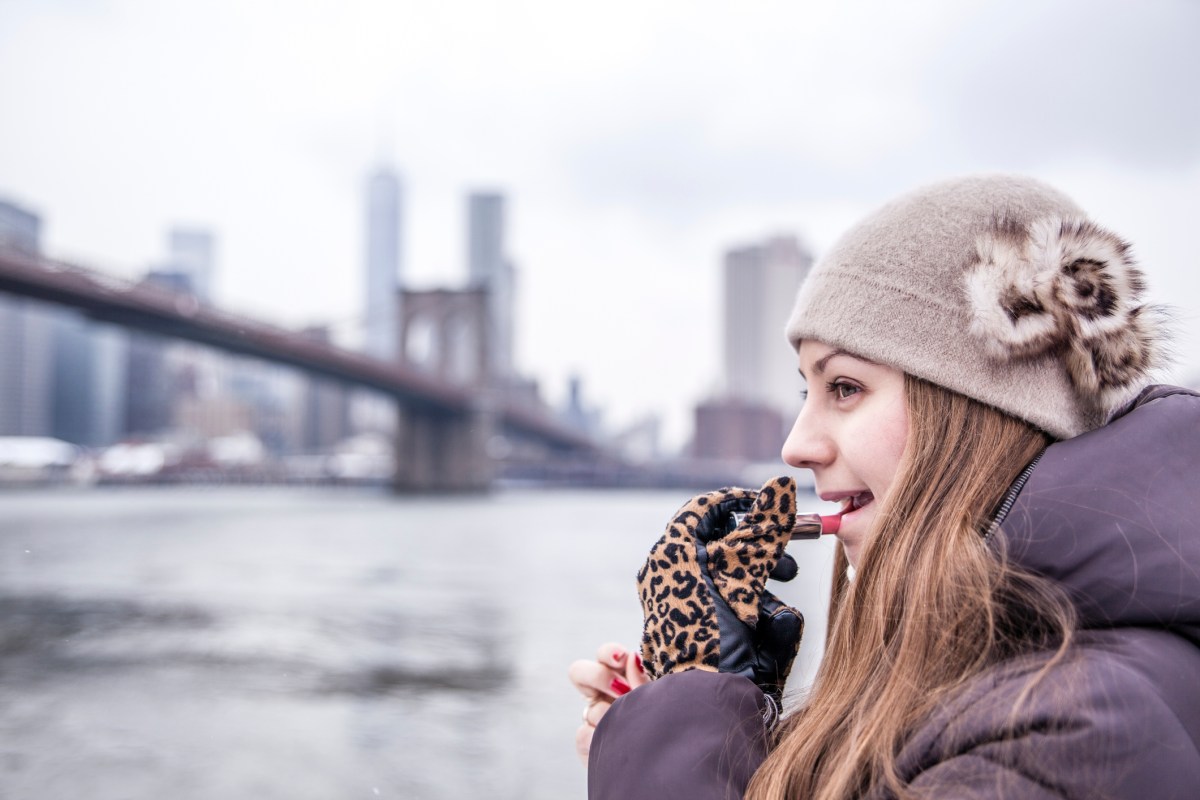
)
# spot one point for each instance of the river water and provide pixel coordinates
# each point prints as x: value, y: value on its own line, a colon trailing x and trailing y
x: 302, y: 643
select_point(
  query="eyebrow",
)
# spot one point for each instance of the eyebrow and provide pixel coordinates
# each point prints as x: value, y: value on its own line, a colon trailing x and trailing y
x: 819, y: 367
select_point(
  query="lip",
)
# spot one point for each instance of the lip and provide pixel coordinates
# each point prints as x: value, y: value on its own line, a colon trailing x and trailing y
x: 839, y: 497
x: 847, y: 499
x: 853, y: 514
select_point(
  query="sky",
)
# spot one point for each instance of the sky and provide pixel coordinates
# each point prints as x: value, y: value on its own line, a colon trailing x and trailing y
x: 636, y: 143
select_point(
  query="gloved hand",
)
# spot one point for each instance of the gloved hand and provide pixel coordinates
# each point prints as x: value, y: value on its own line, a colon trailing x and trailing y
x: 703, y: 588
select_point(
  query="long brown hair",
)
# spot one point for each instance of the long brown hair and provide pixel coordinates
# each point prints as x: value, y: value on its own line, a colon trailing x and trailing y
x: 930, y: 606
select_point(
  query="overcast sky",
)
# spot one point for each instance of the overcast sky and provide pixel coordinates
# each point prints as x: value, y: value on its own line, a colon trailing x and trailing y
x: 637, y: 141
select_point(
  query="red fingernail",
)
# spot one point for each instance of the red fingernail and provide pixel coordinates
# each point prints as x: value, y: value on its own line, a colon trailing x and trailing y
x: 619, y: 686
x: 617, y: 656
x: 638, y: 660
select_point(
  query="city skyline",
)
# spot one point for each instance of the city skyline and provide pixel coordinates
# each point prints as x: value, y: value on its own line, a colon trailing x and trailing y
x: 154, y: 366
x: 634, y: 150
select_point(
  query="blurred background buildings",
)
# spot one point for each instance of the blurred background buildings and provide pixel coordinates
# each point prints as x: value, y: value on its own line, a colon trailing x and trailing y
x: 145, y: 404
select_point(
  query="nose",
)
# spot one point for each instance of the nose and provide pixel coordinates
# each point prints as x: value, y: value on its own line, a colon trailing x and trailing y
x: 808, y: 446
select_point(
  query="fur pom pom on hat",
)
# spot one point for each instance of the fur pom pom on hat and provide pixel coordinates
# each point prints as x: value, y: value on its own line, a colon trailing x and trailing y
x: 998, y: 288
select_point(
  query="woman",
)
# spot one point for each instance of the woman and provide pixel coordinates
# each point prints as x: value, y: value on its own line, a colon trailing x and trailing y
x: 1019, y: 509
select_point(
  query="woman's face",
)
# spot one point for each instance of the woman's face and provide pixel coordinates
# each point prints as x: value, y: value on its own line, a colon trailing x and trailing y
x: 851, y: 433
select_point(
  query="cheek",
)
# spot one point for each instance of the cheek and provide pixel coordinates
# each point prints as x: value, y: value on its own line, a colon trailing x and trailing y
x: 891, y: 446
x: 879, y: 446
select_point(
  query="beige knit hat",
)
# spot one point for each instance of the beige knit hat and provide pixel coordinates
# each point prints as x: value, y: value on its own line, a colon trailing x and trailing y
x: 997, y: 287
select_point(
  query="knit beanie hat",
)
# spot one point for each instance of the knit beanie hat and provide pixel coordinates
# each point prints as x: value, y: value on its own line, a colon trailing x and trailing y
x: 996, y: 287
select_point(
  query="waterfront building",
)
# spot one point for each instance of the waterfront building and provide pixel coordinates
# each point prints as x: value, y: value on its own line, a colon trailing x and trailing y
x: 270, y: 394
x: 88, y: 397
x: 154, y: 366
x: 149, y: 386
x: 25, y: 367
x: 26, y: 355
x: 383, y: 263
x: 737, y: 430
x: 324, y: 407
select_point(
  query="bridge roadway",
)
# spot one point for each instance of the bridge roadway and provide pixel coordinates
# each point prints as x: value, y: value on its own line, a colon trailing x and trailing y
x: 425, y: 401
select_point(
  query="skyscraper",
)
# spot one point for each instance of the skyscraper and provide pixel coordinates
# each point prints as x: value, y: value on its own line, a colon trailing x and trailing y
x: 60, y: 374
x: 155, y: 367
x: 761, y: 392
x: 324, y: 407
x: 384, y: 210
x: 760, y: 286
x: 89, y: 379
x: 25, y: 338
x: 488, y: 267
x: 20, y: 229
x: 192, y: 253
x: 150, y: 386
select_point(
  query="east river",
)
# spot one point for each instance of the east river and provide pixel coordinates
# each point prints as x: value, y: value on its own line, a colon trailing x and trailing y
x: 228, y: 643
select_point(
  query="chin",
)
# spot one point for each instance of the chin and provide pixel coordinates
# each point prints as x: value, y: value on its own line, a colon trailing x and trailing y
x: 852, y: 549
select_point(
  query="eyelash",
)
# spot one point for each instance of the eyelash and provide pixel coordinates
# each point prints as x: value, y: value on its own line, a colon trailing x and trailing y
x: 833, y: 387
x: 836, y: 387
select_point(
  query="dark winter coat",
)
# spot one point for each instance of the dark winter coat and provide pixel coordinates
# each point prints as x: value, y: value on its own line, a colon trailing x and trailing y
x: 1114, y: 517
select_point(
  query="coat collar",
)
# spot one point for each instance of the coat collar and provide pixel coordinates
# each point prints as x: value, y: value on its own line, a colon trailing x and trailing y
x: 1113, y: 516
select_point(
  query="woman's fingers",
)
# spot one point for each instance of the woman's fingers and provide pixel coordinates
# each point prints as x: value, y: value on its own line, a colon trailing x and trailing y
x: 627, y: 663
x: 609, y: 676
x: 635, y: 671
x: 594, y: 680
x: 594, y: 711
x: 612, y: 654
x: 615, y: 672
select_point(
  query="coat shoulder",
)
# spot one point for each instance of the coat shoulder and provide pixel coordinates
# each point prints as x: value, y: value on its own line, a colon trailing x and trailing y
x: 1118, y: 716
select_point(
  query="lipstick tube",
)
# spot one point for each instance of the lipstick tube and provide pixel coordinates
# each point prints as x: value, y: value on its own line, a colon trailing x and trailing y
x: 808, y: 526
x: 811, y: 526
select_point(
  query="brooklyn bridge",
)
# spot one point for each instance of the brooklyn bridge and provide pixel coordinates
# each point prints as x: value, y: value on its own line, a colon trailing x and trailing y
x: 449, y: 420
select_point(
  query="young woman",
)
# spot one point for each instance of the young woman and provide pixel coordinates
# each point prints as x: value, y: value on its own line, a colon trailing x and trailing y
x: 1020, y: 511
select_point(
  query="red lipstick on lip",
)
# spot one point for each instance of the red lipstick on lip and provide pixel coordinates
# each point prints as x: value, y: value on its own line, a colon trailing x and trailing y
x: 812, y: 526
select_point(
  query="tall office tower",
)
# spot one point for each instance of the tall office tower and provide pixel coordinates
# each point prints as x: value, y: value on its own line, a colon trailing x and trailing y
x: 150, y: 386
x: 60, y: 374
x: 760, y: 288
x: 384, y: 212
x: 762, y: 389
x: 152, y: 374
x: 25, y: 344
x: 88, y: 397
x: 192, y: 253
x: 488, y: 267
x: 324, y: 407
x: 20, y: 229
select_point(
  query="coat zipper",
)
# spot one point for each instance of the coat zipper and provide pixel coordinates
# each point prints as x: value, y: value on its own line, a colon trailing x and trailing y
x: 1011, y: 496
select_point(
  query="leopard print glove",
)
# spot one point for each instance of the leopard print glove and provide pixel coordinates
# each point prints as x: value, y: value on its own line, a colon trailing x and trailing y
x: 703, y: 588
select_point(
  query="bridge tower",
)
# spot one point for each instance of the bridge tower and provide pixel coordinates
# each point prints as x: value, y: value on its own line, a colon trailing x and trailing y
x: 444, y: 332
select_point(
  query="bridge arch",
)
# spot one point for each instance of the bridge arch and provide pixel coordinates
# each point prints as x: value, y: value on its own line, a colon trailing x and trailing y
x: 444, y: 332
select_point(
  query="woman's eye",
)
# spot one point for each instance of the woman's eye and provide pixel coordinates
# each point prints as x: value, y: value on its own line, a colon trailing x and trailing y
x: 843, y: 390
